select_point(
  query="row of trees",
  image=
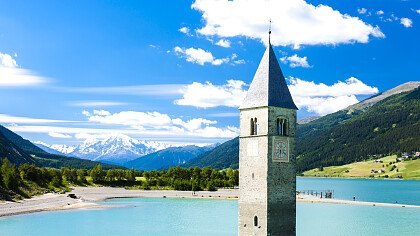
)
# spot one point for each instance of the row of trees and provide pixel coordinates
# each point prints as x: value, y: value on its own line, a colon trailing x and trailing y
x: 27, y: 179
x: 191, y: 179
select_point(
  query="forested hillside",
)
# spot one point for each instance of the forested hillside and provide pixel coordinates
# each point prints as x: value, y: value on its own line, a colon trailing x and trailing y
x: 224, y: 156
x: 390, y: 126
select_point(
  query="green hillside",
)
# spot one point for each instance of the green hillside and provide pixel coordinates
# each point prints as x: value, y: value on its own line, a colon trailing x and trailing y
x: 223, y: 156
x: 407, y: 169
x: 389, y: 126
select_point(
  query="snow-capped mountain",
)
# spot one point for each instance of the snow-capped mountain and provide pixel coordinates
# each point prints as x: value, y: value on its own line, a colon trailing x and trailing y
x: 116, y: 149
x: 65, y: 149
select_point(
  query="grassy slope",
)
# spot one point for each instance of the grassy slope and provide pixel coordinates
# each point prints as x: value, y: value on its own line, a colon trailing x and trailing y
x: 409, y: 169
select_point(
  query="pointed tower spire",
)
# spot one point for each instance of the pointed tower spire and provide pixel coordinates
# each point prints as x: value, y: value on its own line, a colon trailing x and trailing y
x: 268, y: 88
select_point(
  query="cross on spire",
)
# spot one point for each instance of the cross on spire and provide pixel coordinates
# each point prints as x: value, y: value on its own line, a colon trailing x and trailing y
x: 269, y: 33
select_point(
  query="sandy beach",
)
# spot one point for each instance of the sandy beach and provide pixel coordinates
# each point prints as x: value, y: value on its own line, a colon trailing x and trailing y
x: 88, y: 196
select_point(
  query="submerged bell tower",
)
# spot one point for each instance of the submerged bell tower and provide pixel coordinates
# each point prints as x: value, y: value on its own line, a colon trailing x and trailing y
x: 267, y: 163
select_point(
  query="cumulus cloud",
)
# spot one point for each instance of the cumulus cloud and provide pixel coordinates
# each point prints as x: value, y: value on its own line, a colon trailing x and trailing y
x: 12, y: 75
x: 199, y: 56
x: 223, y: 43
x: 294, y: 22
x: 418, y: 11
x: 185, y: 30
x: 296, y: 61
x: 205, y: 95
x: 323, y: 99
x: 155, y: 122
x: 380, y: 12
x: 406, y: 22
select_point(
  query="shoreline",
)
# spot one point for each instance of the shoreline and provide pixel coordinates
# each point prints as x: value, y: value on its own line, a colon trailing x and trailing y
x: 89, y: 196
x: 353, y: 177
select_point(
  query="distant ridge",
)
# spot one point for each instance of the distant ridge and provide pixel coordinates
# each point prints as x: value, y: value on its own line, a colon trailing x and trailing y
x: 172, y: 156
x: 409, y: 86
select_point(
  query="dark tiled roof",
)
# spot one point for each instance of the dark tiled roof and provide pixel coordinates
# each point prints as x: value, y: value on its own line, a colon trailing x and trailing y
x: 268, y: 88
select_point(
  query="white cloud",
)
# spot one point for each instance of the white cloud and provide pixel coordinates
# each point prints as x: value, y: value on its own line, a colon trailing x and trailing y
x: 4, y: 118
x: 325, y: 105
x: 134, y: 119
x: 362, y: 10
x: 294, y: 22
x: 223, y: 43
x: 96, y: 103
x: 380, y: 12
x: 184, y: 30
x: 324, y: 99
x: 352, y: 86
x: 199, y: 56
x: 406, y: 22
x: 193, y: 124
x: 239, y: 62
x: 418, y: 11
x: 101, y: 113
x: 85, y: 113
x: 208, y: 95
x: 12, y: 75
x: 58, y: 135
x: 296, y: 61
x: 155, y: 122
x: 318, y: 98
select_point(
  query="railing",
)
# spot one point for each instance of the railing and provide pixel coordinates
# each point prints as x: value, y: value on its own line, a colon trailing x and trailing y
x: 318, y: 193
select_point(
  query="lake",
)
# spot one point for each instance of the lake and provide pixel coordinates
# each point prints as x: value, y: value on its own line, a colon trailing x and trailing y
x: 164, y: 216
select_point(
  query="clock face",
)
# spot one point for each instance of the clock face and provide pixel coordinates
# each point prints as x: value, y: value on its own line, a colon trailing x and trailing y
x: 281, y: 152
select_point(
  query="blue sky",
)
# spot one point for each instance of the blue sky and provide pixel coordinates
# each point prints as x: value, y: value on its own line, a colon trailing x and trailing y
x: 176, y: 71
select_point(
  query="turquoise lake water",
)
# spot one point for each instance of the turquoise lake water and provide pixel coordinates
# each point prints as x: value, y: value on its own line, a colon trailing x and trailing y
x: 164, y: 216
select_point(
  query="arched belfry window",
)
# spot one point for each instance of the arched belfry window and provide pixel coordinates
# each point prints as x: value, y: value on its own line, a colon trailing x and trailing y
x: 255, y: 221
x: 252, y: 126
x: 255, y: 126
x: 281, y: 127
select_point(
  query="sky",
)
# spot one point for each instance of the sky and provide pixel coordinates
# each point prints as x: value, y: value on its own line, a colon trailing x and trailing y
x: 177, y: 71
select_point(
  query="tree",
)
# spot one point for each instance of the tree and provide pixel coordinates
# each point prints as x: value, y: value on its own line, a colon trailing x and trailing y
x: 30, y: 172
x: 10, y: 175
x: 69, y: 174
x: 81, y: 175
x: 97, y: 174
x: 211, y: 186
x: 130, y: 175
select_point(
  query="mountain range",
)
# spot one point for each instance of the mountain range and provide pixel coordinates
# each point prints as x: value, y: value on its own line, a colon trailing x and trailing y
x: 115, y: 149
x: 20, y: 151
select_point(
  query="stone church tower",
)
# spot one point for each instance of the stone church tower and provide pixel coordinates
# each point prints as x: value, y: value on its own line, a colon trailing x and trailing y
x: 267, y: 163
